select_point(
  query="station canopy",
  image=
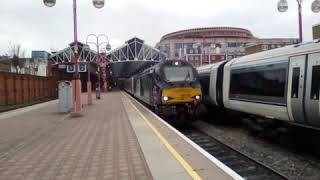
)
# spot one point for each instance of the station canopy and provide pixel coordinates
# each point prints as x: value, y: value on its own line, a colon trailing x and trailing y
x: 131, y: 58
x: 66, y: 55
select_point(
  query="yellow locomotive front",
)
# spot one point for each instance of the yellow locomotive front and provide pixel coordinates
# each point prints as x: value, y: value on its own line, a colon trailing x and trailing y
x: 180, y: 90
x: 182, y: 95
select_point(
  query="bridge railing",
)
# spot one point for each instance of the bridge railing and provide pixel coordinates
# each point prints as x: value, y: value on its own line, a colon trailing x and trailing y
x: 18, y: 90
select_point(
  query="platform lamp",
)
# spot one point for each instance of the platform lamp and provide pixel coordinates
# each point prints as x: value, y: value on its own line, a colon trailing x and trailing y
x: 77, y: 93
x: 283, y: 7
x: 98, y: 45
x: 89, y: 84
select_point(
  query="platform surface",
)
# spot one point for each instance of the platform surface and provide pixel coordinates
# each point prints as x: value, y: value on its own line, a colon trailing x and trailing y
x: 112, y: 140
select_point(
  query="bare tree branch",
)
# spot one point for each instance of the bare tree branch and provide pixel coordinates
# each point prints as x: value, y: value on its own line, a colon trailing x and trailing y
x: 16, y: 52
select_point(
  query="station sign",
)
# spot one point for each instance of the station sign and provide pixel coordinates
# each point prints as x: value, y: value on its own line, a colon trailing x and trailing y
x: 71, y: 68
x: 82, y: 67
x: 62, y: 66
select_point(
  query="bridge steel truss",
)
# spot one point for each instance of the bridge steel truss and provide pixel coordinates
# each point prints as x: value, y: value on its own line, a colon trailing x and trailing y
x: 66, y: 55
x: 132, y: 57
x: 135, y: 49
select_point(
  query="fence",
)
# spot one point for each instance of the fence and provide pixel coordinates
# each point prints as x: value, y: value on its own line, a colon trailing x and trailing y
x: 22, y: 89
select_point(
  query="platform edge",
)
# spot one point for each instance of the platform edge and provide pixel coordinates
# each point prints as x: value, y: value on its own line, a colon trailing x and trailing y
x: 214, y: 160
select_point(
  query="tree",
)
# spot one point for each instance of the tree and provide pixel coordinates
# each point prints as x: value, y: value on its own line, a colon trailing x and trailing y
x: 16, y: 52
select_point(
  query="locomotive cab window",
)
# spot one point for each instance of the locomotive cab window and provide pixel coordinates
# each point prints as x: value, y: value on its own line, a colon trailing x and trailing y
x: 315, y: 86
x: 178, y: 73
x: 295, y: 82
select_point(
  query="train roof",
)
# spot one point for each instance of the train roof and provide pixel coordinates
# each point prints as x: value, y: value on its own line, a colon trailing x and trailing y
x: 169, y: 62
x: 291, y: 50
x: 207, y: 68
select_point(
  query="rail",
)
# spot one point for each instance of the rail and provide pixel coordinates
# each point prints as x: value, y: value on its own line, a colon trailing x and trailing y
x: 245, y: 166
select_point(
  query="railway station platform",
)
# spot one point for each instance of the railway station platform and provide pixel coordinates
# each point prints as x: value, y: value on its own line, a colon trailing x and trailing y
x: 116, y: 138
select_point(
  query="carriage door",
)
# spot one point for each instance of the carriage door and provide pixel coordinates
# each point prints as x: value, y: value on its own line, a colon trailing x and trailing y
x: 312, y: 108
x: 295, y: 96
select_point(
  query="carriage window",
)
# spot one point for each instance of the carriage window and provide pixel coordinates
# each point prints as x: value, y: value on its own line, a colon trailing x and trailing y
x: 141, y: 88
x: 315, y: 87
x: 204, y: 81
x: 265, y: 84
x: 295, y: 83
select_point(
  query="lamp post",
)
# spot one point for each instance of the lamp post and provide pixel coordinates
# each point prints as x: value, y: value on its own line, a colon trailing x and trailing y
x: 89, y: 84
x: 283, y: 7
x: 77, y: 82
x: 98, y: 45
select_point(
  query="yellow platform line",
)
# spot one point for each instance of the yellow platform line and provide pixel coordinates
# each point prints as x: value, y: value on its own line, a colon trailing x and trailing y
x: 171, y: 149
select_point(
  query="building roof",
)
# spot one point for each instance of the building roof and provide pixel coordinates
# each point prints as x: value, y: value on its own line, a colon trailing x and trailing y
x: 318, y: 24
x: 210, y: 32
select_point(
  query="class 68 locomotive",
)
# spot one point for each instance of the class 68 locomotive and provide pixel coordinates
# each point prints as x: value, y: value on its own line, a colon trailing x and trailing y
x: 170, y: 88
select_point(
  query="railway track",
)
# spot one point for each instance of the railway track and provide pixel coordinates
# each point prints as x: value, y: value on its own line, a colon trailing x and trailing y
x: 245, y: 166
x: 242, y: 164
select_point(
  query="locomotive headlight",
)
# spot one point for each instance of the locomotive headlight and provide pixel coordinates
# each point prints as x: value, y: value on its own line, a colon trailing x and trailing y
x: 198, y: 97
x: 165, y: 98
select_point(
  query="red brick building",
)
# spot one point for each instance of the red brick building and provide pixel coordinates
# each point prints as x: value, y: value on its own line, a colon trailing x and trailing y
x: 198, y: 46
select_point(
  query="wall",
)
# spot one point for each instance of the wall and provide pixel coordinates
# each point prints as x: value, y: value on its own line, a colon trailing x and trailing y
x: 22, y: 89
x: 253, y: 49
x: 5, y: 66
x: 316, y: 31
x: 28, y: 66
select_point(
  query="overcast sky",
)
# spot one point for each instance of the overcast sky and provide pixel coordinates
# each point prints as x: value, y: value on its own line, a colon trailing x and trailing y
x: 36, y: 27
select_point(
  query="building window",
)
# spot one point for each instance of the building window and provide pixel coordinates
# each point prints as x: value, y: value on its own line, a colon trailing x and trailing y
x: 264, y: 47
x: 196, y: 51
x: 178, y: 45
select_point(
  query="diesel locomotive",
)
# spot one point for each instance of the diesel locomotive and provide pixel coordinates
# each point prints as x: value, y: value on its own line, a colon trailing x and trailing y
x: 170, y: 88
x: 281, y: 84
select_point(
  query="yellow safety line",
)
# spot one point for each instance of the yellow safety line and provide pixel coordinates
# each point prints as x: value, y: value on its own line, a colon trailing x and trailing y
x: 181, y: 160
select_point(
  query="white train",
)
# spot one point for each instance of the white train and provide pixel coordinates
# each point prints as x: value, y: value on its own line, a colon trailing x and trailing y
x: 281, y: 84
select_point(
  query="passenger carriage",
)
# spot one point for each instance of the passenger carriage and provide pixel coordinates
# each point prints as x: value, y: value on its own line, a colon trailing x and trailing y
x: 280, y: 84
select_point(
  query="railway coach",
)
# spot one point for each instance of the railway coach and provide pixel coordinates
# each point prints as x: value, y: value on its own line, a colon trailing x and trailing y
x: 281, y: 84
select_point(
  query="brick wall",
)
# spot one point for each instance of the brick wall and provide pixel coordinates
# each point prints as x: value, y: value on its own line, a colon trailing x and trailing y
x: 22, y: 89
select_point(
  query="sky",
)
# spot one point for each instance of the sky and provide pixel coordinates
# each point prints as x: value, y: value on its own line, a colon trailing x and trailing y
x: 37, y: 27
